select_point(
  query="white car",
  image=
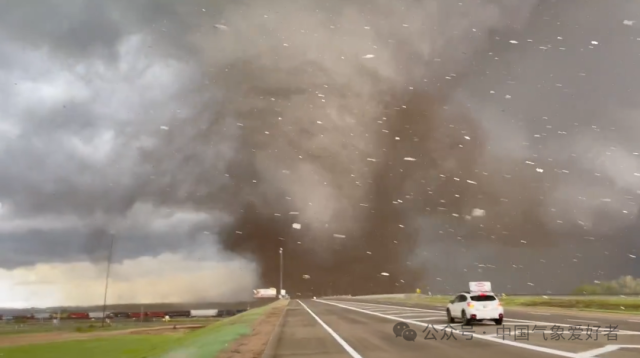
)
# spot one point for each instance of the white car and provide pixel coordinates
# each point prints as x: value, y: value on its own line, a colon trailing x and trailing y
x: 475, y: 307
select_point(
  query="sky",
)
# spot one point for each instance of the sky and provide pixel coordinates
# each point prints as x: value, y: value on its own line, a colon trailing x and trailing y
x: 416, y: 144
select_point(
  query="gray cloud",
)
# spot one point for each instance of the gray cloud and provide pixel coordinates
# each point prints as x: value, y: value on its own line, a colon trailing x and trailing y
x: 149, y: 121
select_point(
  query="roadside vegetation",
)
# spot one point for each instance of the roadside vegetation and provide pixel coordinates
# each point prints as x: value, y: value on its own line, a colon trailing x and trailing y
x: 625, y: 285
x: 205, y: 342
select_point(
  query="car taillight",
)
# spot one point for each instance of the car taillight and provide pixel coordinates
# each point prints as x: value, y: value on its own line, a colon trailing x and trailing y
x: 469, y: 304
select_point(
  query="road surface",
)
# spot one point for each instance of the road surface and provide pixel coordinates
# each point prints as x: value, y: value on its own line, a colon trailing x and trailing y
x: 355, y: 328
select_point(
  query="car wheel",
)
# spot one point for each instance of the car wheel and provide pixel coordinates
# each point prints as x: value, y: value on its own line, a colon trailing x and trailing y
x: 465, y: 320
x: 450, y: 317
x: 498, y: 321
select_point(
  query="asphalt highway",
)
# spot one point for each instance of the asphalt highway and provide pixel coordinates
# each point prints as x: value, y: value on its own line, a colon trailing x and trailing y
x: 356, y: 328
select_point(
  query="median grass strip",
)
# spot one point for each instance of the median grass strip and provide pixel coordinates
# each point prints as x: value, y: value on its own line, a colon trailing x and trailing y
x: 612, y: 304
x: 203, y: 343
x: 209, y: 341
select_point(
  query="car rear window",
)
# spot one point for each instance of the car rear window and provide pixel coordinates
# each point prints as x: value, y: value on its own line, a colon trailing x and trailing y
x: 485, y: 298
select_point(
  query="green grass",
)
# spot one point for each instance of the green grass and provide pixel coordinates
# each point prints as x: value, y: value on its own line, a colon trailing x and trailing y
x: 606, y: 304
x: 125, y: 346
x: 202, y: 343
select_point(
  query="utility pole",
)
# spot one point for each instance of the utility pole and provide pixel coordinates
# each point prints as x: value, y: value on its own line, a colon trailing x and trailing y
x: 281, y: 270
x: 106, y: 283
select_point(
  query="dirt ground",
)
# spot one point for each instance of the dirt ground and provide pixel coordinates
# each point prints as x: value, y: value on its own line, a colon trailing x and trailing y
x: 35, y: 338
x: 254, y: 344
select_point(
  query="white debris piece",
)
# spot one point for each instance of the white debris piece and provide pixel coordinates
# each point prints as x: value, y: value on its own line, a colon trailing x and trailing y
x: 384, y: 274
x: 371, y: 159
x: 306, y: 277
x: 467, y: 137
x: 221, y: 27
x: 629, y: 22
x: 513, y: 41
x: 296, y: 226
x: 539, y: 170
x: 471, y: 182
x: 239, y: 232
x: 632, y: 256
x: 294, y: 213
x: 164, y: 127
x: 368, y: 56
x: 594, y: 42
x: 338, y: 235
x: 478, y: 212
x: 507, y: 96
x: 530, y: 284
x: 410, y: 159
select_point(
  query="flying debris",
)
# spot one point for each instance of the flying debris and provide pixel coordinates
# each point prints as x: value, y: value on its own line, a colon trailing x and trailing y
x: 368, y: 56
x: 221, y: 27
x: 629, y: 22
x: 410, y: 159
x: 477, y: 212
x: 296, y: 226
x: 338, y: 235
x: 306, y: 277
x: 164, y: 127
x: 384, y: 274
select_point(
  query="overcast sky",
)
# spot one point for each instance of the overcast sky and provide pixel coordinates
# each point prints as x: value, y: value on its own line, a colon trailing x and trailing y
x: 189, y: 131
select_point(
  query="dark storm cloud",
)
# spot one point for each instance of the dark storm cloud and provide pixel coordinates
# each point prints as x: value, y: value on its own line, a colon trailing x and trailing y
x: 281, y: 110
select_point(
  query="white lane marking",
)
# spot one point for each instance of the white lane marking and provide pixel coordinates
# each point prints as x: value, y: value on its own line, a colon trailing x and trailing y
x: 492, y: 339
x: 579, y: 320
x: 383, y: 307
x: 344, y: 344
x: 409, y: 308
x: 396, y: 311
x: 603, y: 350
x: 417, y: 313
x: 420, y: 319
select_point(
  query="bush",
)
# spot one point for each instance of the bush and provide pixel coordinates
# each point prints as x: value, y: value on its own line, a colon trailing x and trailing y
x: 625, y: 285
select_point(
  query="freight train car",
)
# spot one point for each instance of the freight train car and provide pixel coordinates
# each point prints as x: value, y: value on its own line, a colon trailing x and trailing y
x: 173, y: 314
x: 78, y: 315
x: 137, y: 315
x: 121, y: 314
x: 42, y: 316
x: 156, y: 314
x: 98, y: 315
x: 203, y: 313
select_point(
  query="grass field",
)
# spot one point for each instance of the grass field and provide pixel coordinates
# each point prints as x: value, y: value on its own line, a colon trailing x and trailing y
x: 599, y: 303
x: 87, y: 326
x: 205, y: 342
